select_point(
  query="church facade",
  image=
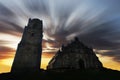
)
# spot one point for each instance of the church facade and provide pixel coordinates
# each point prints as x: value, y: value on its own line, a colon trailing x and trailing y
x: 75, y: 55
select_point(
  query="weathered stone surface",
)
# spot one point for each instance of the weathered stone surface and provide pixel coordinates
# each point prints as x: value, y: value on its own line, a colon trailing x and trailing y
x: 28, y: 54
x: 75, y: 56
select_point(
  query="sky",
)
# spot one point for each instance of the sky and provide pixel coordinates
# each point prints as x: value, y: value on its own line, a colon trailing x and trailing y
x: 95, y: 22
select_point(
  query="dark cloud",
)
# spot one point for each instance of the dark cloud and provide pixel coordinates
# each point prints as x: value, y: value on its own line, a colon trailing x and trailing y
x: 7, y: 21
x: 113, y: 53
x: 51, y: 43
x: 104, y: 36
x: 96, y: 23
x: 101, y: 37
x: 10, y: 28
x: 6, y: 49
x: 6, y: 52
x: 36, y: 6
x: 6, y: 12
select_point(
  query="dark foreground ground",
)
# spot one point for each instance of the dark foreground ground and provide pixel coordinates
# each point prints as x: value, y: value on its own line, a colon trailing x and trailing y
x: 105, y: 74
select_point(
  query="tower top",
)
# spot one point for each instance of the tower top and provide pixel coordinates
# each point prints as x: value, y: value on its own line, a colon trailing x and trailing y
x: 35, y: 23
x: 34, y: 20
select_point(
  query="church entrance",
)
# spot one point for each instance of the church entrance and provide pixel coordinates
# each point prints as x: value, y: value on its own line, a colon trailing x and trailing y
x: 81, y: 64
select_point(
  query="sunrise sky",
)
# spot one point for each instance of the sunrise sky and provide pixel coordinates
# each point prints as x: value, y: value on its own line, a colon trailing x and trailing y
x: 95, y: 22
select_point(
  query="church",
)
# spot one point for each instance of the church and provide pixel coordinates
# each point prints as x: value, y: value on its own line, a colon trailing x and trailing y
x: 75, y: 55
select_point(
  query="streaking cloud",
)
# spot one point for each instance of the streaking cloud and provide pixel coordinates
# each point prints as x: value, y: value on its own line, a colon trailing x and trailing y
x: 95, y: 22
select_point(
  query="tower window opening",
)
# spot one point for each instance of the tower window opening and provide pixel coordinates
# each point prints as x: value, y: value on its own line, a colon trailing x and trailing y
x: 32, y: 34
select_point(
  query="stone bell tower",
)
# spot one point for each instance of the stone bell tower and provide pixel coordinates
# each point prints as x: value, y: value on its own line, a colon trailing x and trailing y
x: 28, y: 54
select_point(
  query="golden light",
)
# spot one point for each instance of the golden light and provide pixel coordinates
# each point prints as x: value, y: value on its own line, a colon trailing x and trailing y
x: 5, y: 65
x: 48, y: 53
x: 7, y: 62
x: 46, y: 57
x: 108, y: 62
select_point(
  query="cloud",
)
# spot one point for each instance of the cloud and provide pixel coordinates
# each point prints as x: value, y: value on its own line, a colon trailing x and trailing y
x: 6, y: 49
x: 5, y: 25
x: 96, y: 23
x: 7, y: 21
x: 6, y: 52
x: 5, y: 12
x: 113, y: 53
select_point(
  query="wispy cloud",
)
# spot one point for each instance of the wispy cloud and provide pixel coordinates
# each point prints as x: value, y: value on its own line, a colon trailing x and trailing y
x: 95, y: 22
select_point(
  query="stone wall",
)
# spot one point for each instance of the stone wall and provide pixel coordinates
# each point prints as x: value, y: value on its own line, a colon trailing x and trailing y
x: 75, y: 56
x: 28, y: 54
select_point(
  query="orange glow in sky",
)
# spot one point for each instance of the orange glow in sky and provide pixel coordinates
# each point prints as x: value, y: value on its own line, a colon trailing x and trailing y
x: 5, y: 64
x: 94, y: 22
x: 7, y: 55
x: 109, y: 62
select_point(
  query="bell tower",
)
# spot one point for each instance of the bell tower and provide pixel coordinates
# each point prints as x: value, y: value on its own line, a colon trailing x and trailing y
x: 28, y: 54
